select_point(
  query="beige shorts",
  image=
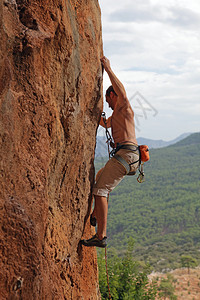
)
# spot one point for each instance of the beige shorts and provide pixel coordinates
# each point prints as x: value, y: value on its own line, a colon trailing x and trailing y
x: 113, y: 172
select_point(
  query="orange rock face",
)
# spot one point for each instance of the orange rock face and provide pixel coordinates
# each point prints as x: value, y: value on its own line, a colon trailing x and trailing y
x: 50, y: 104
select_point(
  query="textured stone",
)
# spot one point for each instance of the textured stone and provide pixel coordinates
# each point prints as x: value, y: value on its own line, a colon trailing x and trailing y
x: 50, y: 104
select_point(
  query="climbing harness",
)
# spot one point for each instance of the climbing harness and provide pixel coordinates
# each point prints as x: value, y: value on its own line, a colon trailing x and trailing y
x: 142, y: 151
x: 143, y: 156
x: 122, y: 161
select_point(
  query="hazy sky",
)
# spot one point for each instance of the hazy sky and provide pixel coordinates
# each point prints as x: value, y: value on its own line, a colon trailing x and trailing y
x: 154, y: 49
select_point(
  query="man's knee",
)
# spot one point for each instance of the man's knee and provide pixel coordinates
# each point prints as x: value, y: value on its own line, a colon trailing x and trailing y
x: 100, y: 198
x: 100, y: 192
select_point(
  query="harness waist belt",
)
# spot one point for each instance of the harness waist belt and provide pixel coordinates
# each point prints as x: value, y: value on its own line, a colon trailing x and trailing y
x: 129, y: 147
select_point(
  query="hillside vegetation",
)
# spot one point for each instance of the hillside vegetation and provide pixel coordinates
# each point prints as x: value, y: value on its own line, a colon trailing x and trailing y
x: 186, y: 286
x: 163, y: 213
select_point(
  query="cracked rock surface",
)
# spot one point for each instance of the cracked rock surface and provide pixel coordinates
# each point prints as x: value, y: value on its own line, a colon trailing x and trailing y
x: 50, y: 105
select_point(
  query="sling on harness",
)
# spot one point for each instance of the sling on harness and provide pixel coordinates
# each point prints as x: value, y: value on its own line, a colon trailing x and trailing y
x: 142, y: 151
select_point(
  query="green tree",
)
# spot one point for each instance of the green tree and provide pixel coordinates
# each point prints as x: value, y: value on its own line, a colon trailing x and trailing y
x: 167, y: 288
x: 188, y: 261
x: 128, y: 279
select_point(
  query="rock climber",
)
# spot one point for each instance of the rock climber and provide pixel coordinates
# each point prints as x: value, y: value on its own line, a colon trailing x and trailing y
x: 123, y: 132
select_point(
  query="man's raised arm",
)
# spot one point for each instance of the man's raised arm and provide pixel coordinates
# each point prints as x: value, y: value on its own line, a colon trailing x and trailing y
x: 116, y: 83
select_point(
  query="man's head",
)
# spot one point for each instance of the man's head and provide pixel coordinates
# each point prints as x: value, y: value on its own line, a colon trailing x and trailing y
x: 111, y: 97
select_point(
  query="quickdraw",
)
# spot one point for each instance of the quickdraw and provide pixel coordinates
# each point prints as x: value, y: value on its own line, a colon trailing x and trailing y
x: 109, y: 140
x: 141, y: 178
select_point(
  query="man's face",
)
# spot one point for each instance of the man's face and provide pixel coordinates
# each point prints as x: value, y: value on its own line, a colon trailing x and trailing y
x: 111, y: 101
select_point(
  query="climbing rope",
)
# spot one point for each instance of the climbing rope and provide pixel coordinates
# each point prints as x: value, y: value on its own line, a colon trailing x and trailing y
x: 109, y: 143
x: 107, y: 274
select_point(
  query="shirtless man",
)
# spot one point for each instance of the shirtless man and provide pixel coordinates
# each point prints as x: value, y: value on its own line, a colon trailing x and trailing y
x: 123, y: 132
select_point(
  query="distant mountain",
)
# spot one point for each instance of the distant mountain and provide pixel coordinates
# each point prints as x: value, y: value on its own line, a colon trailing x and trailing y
x: 192, y: 139
x: 160, y: 143
x: 102, y: 148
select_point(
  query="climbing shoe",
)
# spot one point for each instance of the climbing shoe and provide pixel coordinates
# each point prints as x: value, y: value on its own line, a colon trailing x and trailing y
x: 93, y: 221
x: 94, y: 241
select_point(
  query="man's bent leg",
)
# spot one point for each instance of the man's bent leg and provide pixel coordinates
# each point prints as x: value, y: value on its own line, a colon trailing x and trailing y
x: 99, y: 239
x: 101, y: 206
x: 111, y: 175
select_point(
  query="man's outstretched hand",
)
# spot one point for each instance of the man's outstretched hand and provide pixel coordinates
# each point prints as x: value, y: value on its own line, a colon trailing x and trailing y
x: 106, y: 63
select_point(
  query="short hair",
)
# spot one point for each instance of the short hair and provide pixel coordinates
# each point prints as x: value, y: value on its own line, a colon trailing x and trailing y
x: 109, y: 90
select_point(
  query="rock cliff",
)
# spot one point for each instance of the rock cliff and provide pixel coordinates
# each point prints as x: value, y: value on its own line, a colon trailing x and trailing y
x: 50, y: 104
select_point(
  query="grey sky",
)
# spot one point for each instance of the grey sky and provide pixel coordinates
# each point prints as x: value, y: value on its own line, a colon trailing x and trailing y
x: 154, y: 48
